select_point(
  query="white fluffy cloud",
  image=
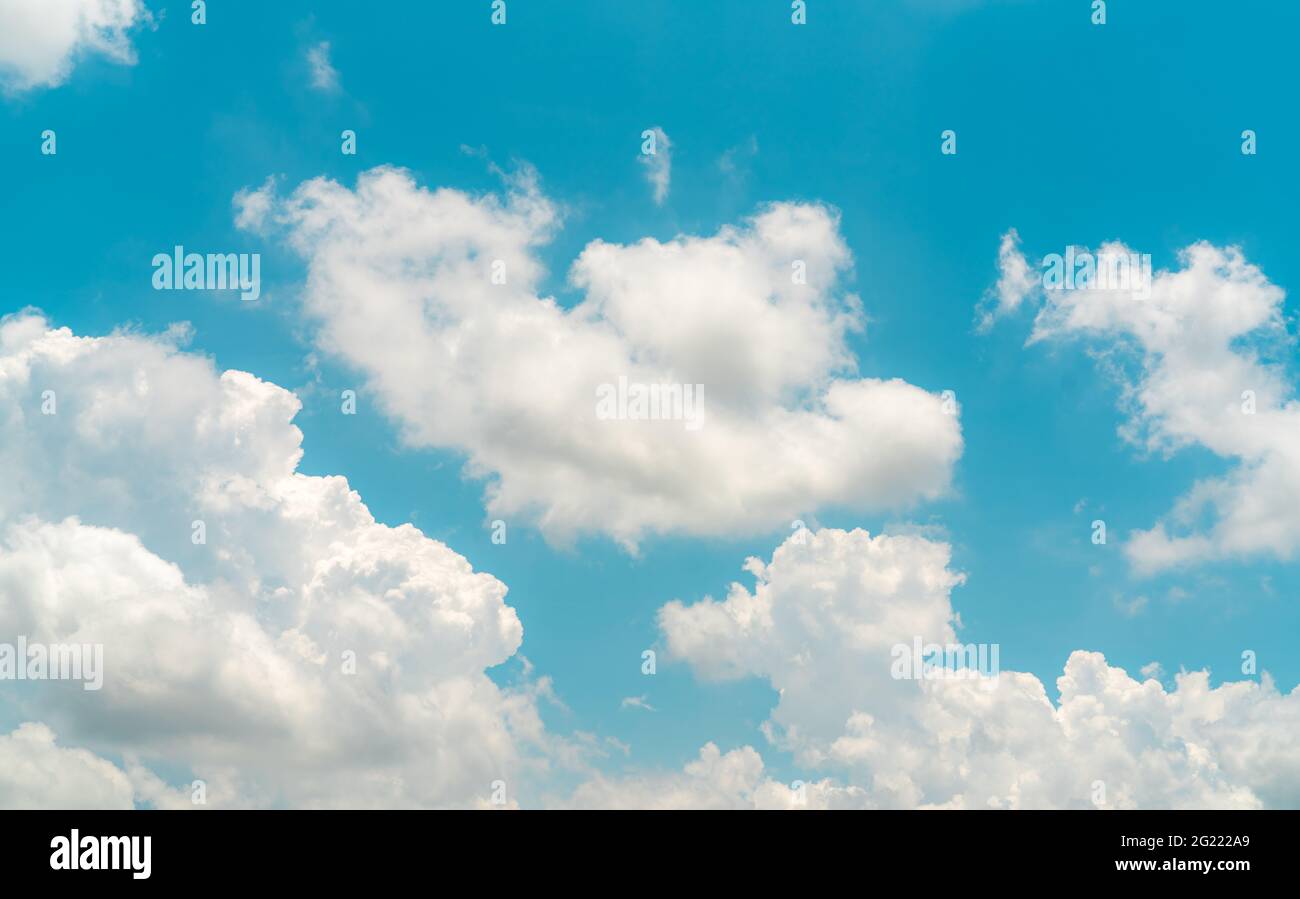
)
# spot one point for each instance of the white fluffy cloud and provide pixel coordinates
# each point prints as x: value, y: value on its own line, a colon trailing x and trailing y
x: 228, y: 658
x: 37, y: 773
x: 820, y: 626
x: 40, y: 40
x: 1201, y: 336
x: 400, y: 284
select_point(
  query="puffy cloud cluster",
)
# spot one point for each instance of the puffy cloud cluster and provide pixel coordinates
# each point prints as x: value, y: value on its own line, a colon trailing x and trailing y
x: 40, y: 40
x: 433, y: 296
x: 820, y: 626
x: 36, y: 773
x: 303, y: 654
x: 1202, y: 336
x: 715, y: 780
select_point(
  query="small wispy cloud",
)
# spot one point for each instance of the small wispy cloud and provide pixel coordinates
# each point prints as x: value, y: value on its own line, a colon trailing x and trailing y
x: 637, y: 702
x: 1016, y: 282
x: 324, y: 77
x: 657, y: 157
x: 1130, y: 607
x: 733, y: 161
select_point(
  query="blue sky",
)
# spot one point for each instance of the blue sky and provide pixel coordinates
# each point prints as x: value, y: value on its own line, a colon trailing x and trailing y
x: 1068, y: 132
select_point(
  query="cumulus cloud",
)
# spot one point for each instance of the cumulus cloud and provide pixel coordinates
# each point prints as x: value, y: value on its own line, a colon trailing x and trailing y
x: 821, y: 625
x: 302, y: 654
x: 324, y: 77
x: 714, y: 780
x: 434, y: 296
x: 37, y: 773
x: 40, y: 40
x: 1200, y: 338
x: 658, y: 164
